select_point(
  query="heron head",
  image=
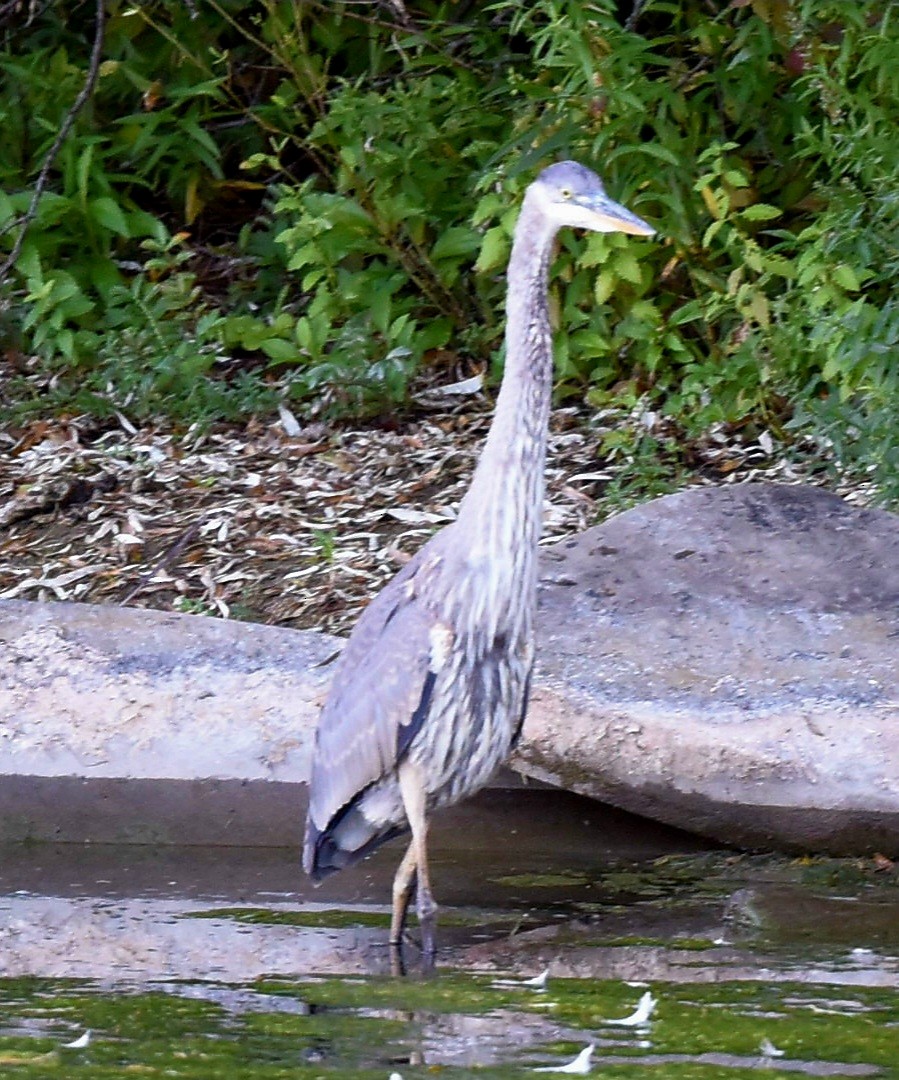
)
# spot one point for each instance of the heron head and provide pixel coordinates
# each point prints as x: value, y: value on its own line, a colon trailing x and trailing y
x: 570, y: 194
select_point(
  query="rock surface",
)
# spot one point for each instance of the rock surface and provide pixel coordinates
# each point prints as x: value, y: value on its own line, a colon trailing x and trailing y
x: 727, y: 660
x: 724, y: 659
x: 102, y: 691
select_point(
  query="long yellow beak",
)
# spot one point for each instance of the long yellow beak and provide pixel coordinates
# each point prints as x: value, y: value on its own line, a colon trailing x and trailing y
x: 613, y: 217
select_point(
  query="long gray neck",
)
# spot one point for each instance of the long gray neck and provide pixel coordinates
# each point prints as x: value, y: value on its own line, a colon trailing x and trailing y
x: 502, y: 511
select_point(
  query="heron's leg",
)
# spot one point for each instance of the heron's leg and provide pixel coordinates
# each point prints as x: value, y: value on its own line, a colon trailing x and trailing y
x: 403, y: 884
x: 414, y: 795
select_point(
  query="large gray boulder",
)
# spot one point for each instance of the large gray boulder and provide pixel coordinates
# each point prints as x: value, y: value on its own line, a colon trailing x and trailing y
x: 727, y: 660
x: 724, y: 660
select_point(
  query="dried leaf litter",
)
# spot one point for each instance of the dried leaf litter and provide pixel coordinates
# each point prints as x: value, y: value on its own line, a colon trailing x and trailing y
x: 297, y: 529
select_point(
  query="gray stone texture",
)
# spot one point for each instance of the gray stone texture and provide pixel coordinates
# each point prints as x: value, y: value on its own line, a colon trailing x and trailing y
x: 725, y: 660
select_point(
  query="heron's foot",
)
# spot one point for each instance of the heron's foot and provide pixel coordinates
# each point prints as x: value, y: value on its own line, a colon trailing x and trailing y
x: 399, y: 955
x: 427, y: 920
x: 397, y: 959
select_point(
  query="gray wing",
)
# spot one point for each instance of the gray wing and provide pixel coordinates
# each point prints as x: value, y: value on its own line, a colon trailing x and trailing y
x: 379, y: 699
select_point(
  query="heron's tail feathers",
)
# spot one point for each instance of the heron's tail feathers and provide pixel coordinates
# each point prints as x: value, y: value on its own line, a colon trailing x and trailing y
x: 348, y: 837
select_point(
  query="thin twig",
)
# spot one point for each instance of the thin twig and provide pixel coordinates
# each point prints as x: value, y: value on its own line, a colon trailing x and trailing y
x: 8, y: 9
x: 90, y: 82
x: 166, y: 560
x: 631, y: 23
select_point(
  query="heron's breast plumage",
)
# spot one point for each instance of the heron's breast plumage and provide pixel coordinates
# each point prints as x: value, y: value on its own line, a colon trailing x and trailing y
x: 482, y: 654
x: 475, y: 714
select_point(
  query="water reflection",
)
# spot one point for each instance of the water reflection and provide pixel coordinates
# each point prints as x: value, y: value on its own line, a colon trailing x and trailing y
x: 747, y: 957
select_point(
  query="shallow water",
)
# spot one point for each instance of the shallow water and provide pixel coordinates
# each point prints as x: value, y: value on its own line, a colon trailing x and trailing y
x: 223, y: 962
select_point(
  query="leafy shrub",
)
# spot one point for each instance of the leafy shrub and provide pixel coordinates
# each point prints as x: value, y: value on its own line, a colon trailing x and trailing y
x: 333, y: 196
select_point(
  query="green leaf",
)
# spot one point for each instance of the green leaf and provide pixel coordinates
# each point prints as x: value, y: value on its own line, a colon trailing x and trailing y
x: 605, y: 285
x: 341, y: 210
x: 758, y: 308
x: 846, y: 277
x: 304, y: 256
x: 627, y: 267
x: 7, y: 210
x: 736, y: 178
x: 85, y: 160
x: 65, y: 342
x: 760, y: 212
x: 457, y: 241
x: 495, y: 248
x: 711, y: 232
x: 107, y: 213
x: 777, y: 264
x: 752, y: 256
x: 434, y: 334
x: 686, y: 313
x: 285, y: 352
x: 646, y: 148
x: 311, y: 279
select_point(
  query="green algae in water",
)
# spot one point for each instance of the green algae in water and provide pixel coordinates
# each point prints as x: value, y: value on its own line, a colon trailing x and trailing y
x: 676, y: 943
x: 692, y: 1020
x: 330, y: 918
x: 848, y: 873
x: 168, y: 1035
x: 706, y: 875
x: 718, y: 872
x: 371, y: 1026
x: 733, y: 1019
x: 343, y: 918
x: 542, y: 881
x: 450, y: 993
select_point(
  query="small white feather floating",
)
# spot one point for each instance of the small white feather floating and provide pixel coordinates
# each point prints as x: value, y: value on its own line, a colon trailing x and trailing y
x: 580, y: 1065
x: 640, y: 1016
x: 80, y: 1043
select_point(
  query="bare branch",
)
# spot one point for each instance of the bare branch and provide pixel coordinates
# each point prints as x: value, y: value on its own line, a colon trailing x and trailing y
x: 66, y: 126
x: 168, y: 557
x: 631, y: 23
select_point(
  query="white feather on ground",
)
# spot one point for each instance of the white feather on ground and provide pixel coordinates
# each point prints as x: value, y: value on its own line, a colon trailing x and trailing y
x: 538, y: 982
x: 640, y: 1016
x: 80, y: 1043
x: 580, y: 1065
x: 768, y: 1049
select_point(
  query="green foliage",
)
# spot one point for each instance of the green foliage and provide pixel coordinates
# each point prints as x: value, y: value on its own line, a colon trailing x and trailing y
x: 837, y: 328
x: 654, y: 467
x: 333, y: 195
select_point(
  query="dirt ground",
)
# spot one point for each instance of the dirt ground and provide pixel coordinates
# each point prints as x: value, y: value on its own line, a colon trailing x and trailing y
x: 286, y: 524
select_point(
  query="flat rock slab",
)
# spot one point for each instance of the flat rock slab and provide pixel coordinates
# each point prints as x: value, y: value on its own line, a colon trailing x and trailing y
x: 97, y: 691
x: 724, y: 660
x: 120, y: 725
x: 727, y: 660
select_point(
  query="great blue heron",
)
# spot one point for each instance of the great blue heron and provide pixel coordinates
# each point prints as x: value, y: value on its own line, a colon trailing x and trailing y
x: 430, y: 692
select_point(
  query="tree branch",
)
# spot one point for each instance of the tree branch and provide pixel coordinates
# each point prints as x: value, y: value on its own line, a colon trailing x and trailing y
x: 631, y: 23
x: 89, y: 83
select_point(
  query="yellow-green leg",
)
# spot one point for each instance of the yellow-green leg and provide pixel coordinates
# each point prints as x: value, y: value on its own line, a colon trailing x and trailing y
x: 413, y: 870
